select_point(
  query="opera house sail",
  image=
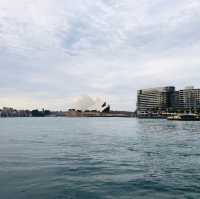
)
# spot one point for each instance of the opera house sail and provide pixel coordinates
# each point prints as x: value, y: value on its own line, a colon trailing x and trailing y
x: 89, y: 104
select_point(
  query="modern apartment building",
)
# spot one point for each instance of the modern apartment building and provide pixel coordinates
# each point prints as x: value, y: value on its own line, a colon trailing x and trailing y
x: 188, y: 99
x: 168, y: 99
x: 155, y: 99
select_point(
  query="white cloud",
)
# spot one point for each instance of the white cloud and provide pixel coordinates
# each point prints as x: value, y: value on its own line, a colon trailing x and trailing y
x: 58, y: 49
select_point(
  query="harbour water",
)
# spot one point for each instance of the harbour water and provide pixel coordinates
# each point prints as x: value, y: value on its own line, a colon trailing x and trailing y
x: 99, y: 158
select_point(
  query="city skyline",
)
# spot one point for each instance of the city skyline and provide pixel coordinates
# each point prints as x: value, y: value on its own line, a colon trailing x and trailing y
x: 53, y: 51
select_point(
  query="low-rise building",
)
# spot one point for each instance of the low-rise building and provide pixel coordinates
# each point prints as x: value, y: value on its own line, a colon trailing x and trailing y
x: 10, y: 112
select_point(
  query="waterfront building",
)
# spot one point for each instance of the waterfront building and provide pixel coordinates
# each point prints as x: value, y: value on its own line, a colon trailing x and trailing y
x: 188, y: 99
x: 10, y: 112
x: 167, y: 99
x: 89, y: 104
x: 155, y: 99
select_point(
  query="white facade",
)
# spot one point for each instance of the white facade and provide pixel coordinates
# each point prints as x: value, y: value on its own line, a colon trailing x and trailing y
x: 86, y: 103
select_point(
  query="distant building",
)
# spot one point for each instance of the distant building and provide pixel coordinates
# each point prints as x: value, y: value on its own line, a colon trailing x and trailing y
x: 168, y: 99
x: 10, y: 112
x: 188, y: 99
x: 89, y: 104
x: 155, y: 99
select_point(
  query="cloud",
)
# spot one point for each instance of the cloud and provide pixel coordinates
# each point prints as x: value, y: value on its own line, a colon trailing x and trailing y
x: 51, y: 51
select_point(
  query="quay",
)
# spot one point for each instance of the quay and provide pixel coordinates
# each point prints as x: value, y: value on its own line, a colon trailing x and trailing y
x: 99, y: 114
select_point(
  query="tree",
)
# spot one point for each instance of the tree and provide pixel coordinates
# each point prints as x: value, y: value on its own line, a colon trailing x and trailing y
x: 36, y: 113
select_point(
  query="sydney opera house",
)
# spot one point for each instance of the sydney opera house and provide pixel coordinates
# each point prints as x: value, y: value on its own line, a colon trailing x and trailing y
x: 89, y: 104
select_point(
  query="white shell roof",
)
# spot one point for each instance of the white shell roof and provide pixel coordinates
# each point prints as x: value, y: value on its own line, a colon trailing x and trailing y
x: 84, y: 103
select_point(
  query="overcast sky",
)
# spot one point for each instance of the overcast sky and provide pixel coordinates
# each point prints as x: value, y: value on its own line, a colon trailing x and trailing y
x: 54, y: 50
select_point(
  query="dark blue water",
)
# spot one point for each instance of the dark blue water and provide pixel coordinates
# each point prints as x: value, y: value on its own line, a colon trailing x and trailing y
x: 93, y: 158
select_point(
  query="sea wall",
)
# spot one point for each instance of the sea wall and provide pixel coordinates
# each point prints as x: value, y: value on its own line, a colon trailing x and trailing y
x: 98, y: 114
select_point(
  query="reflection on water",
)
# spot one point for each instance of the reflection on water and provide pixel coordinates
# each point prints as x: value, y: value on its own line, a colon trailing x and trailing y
x: 51, y: 158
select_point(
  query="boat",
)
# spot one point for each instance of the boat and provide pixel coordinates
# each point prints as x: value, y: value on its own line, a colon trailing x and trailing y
x: 185, y: 117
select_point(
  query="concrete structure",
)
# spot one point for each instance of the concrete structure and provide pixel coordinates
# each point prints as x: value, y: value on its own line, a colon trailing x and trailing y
x: 155, y: 99
x: 99, y: 114
x: 89, y: 104
x: 188, y: 99
x: 167, y: 99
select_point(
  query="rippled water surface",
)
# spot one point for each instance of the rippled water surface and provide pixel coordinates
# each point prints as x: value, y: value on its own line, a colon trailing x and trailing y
x: 93, y: 158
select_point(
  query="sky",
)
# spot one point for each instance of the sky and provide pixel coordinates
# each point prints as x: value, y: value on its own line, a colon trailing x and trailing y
x: 54, y: 50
